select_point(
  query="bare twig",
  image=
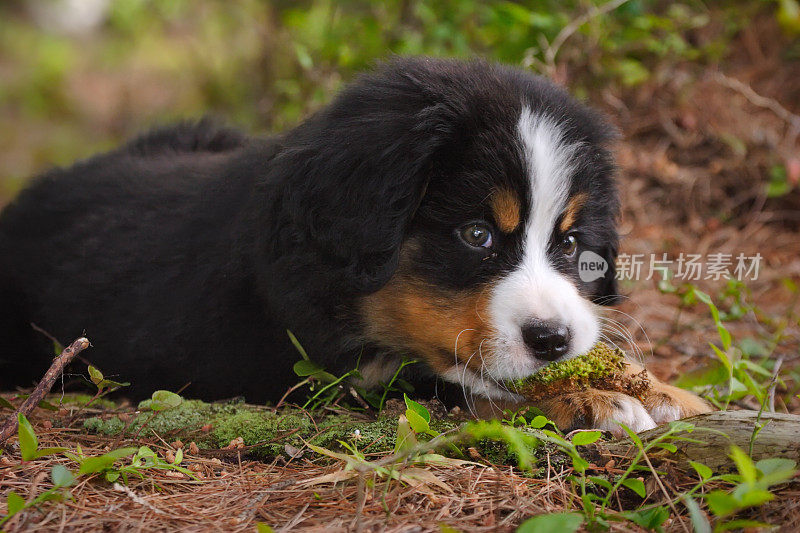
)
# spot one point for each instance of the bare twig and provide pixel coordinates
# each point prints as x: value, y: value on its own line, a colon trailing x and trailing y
x: 568, y: 30
x: 9, y: 427
x: 761, y: 101
x: 55, y: 341
x: 664, y: 491
x: 773, y: 383
x: 136, y: 498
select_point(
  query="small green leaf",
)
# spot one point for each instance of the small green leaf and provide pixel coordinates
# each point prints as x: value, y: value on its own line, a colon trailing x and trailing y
x: 303, y: 57
x: 583, y: 438
x: 699, y: 520
x: 671, y: 448
x: 723, y: 357
x: 418, y: 424
x: 49, y: 495
x: 775, y: 470
x: 161, y: 400
x: 721, y: 503
x: 650, y: 519
x: 552, y: 523
x: 539, y: 422
x: 111, y: 384
x: 636, y: 485
x: 724, y: 336
x: 579, y: 464
x: 145, y: 452
x: 95, y: 375
x: 775, y: 464
x: 167, y: 398
x: 44, y: 404
x: 702, y: 470
x: 754, y: 497
x: 601, y: 481
x: 261, y: 527
x: 92, y: 465
x: 178, y: 457
x: 61, y: 476
x: 749, y: 365
x: 5, y: 404
x: 112, y: 476
x: 417, y: 408
x: 297, y: 345
x: 58, y: 348
x: 42, y: 452
x: 705, y: 298
x: 632, y: 435
x: 15, y: 503
x: 744, y: 465
x: 745, y: 525
x: 28, y: 443
x: 405, y: 439
x: 305, y: 368
x: 752, y: 347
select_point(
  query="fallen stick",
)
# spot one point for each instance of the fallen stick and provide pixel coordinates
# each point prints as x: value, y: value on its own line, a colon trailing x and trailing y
x: 9, y: 427
x: 716, y: 432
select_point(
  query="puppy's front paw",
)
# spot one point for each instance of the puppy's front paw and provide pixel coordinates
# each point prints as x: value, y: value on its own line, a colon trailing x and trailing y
x: 666, y: 403
x: 597, y: 409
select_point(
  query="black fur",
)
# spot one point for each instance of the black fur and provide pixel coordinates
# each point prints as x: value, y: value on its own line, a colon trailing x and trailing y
x: 185, y: 255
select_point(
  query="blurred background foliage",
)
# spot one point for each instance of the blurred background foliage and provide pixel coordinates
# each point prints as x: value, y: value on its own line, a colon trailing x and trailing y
x: 77, y: 76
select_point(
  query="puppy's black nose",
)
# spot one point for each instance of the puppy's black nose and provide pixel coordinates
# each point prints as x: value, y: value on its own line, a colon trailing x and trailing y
x: 547, y: 339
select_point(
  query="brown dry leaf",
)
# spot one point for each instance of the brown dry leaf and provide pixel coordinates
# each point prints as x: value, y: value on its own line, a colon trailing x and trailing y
x: 419, y: 477
x: 333, y: 477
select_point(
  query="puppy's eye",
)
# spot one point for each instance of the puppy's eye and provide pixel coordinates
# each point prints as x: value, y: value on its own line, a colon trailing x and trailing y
x: 477, y: 235
x: 569, y: 245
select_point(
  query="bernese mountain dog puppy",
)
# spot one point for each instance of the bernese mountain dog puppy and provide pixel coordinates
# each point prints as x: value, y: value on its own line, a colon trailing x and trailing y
x: 434, y: 210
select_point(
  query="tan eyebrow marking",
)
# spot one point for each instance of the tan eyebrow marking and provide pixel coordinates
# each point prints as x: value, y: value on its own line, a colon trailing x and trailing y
x: 506, y: 208
x: 571, y: 212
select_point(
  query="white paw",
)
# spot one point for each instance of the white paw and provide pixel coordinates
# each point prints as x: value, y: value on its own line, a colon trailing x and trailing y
x: 627, y: 411
x: 666, y: 413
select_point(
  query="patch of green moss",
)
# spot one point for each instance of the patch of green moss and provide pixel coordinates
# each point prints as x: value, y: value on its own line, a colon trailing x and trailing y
x: 110, y: 426
x: 82, y: 399
x: 599, y: 362
x: 274, y: 431
x: 266, y: 431
x: 261, y: 427
x: 189, y: 415
x: 496, y: 452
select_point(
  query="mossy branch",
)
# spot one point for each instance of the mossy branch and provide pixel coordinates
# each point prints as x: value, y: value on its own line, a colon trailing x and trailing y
x: 9, y: 427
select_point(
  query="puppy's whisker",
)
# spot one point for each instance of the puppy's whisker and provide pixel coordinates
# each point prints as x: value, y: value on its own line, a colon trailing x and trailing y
x: 618, y: 333
x: 484, y: 370
x: 608, y: 339
x: 471, y: 408
x: 620, y: 329
x: 638, y: 325
x: 455, y: 351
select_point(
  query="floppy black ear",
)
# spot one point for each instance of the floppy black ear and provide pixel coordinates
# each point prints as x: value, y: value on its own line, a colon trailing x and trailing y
x: 353, y: 175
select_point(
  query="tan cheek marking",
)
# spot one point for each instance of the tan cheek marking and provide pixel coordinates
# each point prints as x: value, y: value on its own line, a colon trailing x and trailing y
x: 506, y: 209
x: 425, y: 321
x: 574, y: 207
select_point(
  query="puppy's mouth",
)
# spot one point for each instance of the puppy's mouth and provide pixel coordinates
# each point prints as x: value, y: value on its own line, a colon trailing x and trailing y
x: 502, y: 362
